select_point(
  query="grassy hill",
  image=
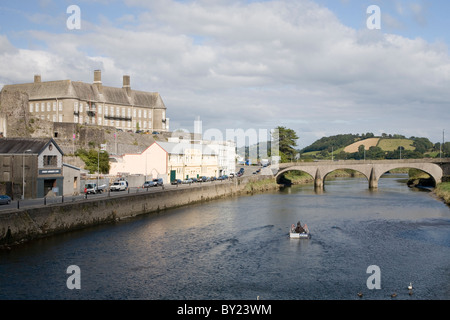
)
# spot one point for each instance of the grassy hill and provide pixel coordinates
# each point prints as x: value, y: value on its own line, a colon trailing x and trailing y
x: 394, y: 144
x: 347, y: 146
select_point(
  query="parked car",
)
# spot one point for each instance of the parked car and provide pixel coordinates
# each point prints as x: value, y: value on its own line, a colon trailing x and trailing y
x: 148, y: 184
x: 158, y: 182
x: 187, y: 181
x: 4, y: 199
x: 91, y: 188
x: 176, y: 181
x: 119, y: 186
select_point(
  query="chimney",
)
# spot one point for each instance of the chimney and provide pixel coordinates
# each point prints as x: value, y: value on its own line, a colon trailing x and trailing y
x: 98, y: 80
x: 37, y: 78
x: 126, y: 85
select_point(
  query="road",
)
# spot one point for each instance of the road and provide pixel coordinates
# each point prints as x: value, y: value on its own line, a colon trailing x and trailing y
x: 17, y: 204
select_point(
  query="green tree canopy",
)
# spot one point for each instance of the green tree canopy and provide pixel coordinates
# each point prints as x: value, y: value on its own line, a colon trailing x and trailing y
x: 94, y: 160
x: 287, y: 143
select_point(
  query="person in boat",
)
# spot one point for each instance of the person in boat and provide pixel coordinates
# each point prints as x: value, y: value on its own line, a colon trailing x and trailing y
x: 299, y: 228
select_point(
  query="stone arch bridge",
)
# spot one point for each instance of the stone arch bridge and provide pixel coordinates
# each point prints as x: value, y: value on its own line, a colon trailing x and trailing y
x: 371, y: 169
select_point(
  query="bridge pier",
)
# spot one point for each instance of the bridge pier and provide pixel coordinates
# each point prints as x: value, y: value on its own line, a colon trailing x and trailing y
x: 318, y: 181
x: 373, y: 181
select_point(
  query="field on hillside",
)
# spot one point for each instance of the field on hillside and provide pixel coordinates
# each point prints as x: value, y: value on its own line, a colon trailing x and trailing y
x: 393, y: 144
x: 371, y: 142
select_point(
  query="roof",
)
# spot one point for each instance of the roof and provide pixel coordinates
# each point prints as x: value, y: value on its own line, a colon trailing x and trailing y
x: 180, y: 148
x: 67, y: 89
x: 28, y: 145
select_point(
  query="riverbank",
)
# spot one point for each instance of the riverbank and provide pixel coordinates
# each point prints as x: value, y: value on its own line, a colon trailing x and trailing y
x: 443, y: 192
x: 22, y: 225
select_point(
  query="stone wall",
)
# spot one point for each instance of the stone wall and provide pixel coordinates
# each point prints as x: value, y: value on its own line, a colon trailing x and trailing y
x: 20, y: 225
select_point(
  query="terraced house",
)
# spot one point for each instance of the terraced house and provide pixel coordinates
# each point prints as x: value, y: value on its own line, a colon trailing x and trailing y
x: 96, y: 104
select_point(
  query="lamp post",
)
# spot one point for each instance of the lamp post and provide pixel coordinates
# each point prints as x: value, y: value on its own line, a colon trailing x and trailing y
x: 23, y: 173
x: 98, y: 163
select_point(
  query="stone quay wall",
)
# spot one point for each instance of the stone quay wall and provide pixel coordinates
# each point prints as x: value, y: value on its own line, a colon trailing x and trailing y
x: 21, y: 225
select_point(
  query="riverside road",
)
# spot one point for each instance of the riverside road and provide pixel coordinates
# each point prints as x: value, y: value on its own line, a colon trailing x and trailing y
x: 17, y: 204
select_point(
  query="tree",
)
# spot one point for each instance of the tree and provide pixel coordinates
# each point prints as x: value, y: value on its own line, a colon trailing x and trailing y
x: 287, y: 141
x: 94, y: 160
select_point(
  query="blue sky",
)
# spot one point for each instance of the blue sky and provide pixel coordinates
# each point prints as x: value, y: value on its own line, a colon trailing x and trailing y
x: 309, y: 65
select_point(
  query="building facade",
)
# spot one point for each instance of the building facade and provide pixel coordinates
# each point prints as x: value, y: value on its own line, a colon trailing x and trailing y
x: 169, y: 161
x: 85, y: 103
x: 31, y: 167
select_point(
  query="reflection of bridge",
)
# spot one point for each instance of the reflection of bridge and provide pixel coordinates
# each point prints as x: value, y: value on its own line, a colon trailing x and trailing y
x: 371, y: 169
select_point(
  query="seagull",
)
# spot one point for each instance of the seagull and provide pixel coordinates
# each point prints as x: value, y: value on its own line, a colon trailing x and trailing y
x: 360, y: 294
x: 410, y: 286
x: 393, y: 295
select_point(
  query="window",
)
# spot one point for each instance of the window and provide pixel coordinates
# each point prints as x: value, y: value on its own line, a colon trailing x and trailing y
x: 31, y: 107
x: 54, y: 118
x: 117, y: 111
x: 134, y: 113
x: 140, y: 113
x: 60, y: 118
x: 106, y: 110
x: 145, y: 125
x: 145, y: 113
x: 81, y: 107
x: 42, y: 107
x: 99, y: 109
x: 75, y: 119
x: 129, y: 112
x: 37, y: 106
x: 50, y: 161
x: 123, y: 112
x: 99, y: 121
x: 60, y: 106
x: 54, y: 106
x: 48, y: 107
x: 75, y: 107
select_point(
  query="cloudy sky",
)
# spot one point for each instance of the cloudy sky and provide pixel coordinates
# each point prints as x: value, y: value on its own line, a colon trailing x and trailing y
x: 310, y: 65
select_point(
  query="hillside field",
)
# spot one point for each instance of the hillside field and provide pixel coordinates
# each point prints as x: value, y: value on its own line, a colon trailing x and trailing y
x: 393, y: 144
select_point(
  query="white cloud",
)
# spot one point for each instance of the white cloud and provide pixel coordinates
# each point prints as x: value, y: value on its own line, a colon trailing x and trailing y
x: 248, y: 65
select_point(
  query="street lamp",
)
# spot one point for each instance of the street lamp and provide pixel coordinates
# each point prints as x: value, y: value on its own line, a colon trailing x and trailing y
x: 23, y: 173
x: 98, y: 163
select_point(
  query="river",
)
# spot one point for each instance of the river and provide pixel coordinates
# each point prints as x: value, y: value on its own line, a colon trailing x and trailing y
x: 239, y: 249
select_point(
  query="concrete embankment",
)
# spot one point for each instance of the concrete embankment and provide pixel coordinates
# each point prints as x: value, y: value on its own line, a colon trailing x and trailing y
x: 21, y: 225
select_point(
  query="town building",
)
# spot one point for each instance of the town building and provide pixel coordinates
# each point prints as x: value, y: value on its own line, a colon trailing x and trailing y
x: 66, y: 101
x: 169, y: 161
x: 30, y: 167
x: 72, y: 178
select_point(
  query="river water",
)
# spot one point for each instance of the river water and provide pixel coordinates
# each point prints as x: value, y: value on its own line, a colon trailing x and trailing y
x: 239, y: 249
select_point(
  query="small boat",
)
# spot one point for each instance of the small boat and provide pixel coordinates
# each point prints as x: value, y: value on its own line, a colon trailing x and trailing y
x: 410, y: 287
x: 299, y: 235
x: 303, y: 235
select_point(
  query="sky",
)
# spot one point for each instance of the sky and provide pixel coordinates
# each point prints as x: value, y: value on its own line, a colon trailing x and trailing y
x: 313, y: 66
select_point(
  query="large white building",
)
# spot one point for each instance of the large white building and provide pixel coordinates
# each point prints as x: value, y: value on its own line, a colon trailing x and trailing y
x: 169, y: 161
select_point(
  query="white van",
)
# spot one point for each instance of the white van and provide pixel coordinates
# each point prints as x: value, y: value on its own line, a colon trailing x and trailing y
x: 119, y: 186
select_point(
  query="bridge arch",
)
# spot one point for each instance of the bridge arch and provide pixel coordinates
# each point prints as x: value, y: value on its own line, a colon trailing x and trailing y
x: 359, y: 171
x: 433, y: 170
x: 281, y: 173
